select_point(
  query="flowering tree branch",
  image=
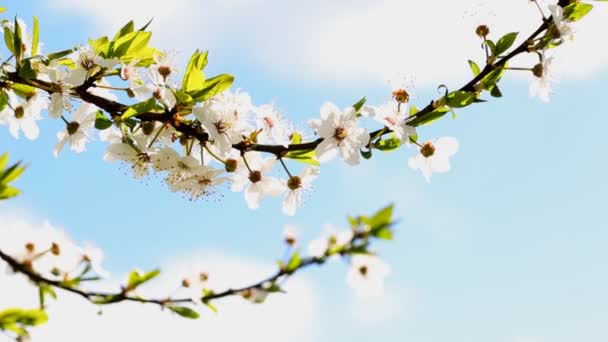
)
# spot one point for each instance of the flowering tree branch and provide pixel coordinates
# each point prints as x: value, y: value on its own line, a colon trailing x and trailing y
x: 200, y: 134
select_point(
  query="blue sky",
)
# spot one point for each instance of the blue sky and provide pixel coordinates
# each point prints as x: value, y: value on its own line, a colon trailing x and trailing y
x: 508, y: 246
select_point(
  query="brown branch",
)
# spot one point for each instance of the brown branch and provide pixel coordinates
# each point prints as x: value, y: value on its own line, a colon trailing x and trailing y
x: 125, y: 296
x: 194, y: 130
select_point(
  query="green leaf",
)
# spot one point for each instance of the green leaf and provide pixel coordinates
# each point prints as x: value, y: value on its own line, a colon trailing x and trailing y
x: 128, y: 28
x: 45, y: 290
x: 212, y: 87
x: 59, y: 54
x: 104, y: 300
x: 194, y: 78
x: 11, y: 174
x: 15, y: 317
x: 380, y: 223
x: 26, y: 71
x: 577, y: 11
x: 413, y: 110
x: 430, y: 117
x: 130, y: 44
x: 495, y: 91
x: 366, y: 154
x: 35, y: 37
x: 140, y: 108
x: 294, y: 262
x: 100, y: 46
x: 23, y: 90
x: 505, y: 43
x: 2, y: 9
x: 359, y: 104
x: 136, y: 279
x: 101, y: 121
x: 7, y: 192
x: 9, y: 39
x: 306, y: 157
x: 459, y: 99
x: 296, y: 138
x: 185, y: 312
x: 18, y: 42
x: 474, y: 68
x: 390, y: 144
x: 3, y: 99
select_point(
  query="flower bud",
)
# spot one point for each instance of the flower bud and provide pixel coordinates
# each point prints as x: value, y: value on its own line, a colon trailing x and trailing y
x: 30, y: 247
x: 231, y: 165
x: 482, y: 31
x: 148, y: 127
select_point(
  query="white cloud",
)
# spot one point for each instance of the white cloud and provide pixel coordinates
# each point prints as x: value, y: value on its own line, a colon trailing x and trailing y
x: 283, y: 317
x: 395, y: 303
x: 345, y: 41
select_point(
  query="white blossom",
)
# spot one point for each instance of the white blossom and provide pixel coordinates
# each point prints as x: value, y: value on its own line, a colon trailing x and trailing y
x: 366, y: 275
x: 340, y: 133
x: 275, y: 128
x: 22, y: 116
x: 561, y: 25
x: 297, y: 186
x: 63, y: 81
x: 255, y: 183
x: 542, y: 79
x: 79, y: 131
x: 137, y: 154
x: 255, y: 295
x: 224, y: 117
x: 330, y: 239
x: 390, y: 116
x: 202, y: 182
x: 434, y: 157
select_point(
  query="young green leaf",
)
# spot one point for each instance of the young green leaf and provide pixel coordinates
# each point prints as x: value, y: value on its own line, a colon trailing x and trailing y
x: 505, y: 42
x: 185, y: 312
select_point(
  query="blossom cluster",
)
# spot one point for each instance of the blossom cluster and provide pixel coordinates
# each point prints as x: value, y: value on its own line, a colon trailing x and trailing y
x: 190, y: 166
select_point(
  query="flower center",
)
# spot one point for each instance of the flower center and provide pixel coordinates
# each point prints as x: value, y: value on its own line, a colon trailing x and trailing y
x: 391, y: 121
x: 427, y: 150
x: 401, y: 96
x: 538, y: 70
x: 73, y: 127
x: 255, y: 176
x: 19, y: 112
x: 340, y: 133
x: 269, y: 122
x: 204, y: 181
x: 87, y: 62
x: 164, y: 71
x: 294, y: 183
x: 143, y: 157
x: 222, y: 126
x: 363, y: 270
